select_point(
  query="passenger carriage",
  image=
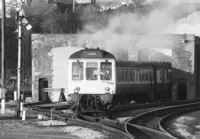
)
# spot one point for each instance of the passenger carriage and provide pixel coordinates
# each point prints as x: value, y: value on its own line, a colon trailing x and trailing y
x: 142, y: 81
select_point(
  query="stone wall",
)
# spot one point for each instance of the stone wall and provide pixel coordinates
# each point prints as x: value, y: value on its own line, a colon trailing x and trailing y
x: 42, y: 44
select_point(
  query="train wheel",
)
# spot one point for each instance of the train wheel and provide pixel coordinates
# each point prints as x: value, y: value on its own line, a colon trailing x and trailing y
x: 90, y: 102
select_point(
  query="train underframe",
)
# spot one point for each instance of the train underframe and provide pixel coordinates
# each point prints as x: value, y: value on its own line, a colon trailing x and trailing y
x: 104, y: 102
x: 92, y: 102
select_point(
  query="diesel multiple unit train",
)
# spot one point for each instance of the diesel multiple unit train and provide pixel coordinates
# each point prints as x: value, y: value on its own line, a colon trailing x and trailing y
x: 96, y: 78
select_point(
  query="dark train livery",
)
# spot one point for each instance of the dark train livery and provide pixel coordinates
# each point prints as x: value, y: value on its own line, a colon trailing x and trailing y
x: 96, y: 78
x: 143, y: 81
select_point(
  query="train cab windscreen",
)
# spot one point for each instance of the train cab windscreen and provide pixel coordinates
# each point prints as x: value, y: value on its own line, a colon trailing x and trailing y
x: 77, y: 70
x: 91, y: 71
x: 106, y: 71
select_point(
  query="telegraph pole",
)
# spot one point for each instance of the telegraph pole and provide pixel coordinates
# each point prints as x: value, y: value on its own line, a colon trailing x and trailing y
x: 21, y: 21
x: 2, y: 89
x: 2, y: 41
x: 74, y: 2
x: 20, y: 16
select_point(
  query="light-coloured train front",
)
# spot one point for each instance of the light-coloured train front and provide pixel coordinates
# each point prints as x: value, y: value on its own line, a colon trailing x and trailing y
x: 92, y: 77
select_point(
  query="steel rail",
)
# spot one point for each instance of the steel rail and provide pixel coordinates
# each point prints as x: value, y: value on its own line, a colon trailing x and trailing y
x: 57, y: 115
x: 131, y: 123
x: 166, y: 118
x: 5, y: 135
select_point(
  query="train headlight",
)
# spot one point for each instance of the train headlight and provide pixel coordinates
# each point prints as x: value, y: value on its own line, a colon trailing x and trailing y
x: 78, y: 88
x: 107, y: 88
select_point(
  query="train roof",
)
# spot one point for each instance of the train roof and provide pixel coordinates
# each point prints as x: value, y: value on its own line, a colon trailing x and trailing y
x: 161, y: 64
x: 139, y: 64
x: 92, y: 53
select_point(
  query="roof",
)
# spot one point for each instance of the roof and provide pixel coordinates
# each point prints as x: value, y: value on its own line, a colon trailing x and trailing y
x: 137, y: 64
x: 92, y: 53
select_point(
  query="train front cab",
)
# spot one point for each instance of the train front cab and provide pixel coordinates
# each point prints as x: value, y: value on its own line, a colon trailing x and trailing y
x: 91, y: 78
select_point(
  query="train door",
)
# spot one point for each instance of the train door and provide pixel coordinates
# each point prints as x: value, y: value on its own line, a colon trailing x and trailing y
x: 182, y: 89
x: 43, y: 83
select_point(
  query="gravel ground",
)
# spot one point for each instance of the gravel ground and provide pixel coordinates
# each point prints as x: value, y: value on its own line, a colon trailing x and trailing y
x: 50, y: 126
x: 186, y: 126
x: 8, y: 123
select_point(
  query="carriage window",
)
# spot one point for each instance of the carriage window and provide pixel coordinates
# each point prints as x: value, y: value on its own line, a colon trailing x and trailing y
x: 168, y: 75
x: 120, y: 75
x: 137, y: 75
x: 77, y: 71
x: 127, y: 76
x: 161, y: 75
x: 131, y: 75
x: 144, y: 76
x: 148, y: 75
x: 151, y: 76
x: 165, y: 74
x: 106, y: 71
x: 140, y: 76
x: 91, y: 71
x: 124, y: 76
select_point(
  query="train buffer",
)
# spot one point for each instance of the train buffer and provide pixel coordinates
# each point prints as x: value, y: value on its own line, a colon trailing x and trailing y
x: 45, y: 94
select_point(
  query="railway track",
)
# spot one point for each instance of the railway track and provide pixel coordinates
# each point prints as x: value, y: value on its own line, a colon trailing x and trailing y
x: 134, y: 127
x: 57, y: 112
x: 148, y: 123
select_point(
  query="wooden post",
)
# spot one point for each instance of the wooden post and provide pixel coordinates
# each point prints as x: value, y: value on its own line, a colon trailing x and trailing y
x: 3, y: 106
x: 74, y: 5
x: 19, y: 62
x: 2, y: 54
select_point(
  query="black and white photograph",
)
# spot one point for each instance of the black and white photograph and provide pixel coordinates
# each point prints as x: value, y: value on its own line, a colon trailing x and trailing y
x: 99, y: 69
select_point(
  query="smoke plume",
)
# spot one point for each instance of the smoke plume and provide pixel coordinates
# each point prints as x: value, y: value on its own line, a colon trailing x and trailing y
x: 133, y: 32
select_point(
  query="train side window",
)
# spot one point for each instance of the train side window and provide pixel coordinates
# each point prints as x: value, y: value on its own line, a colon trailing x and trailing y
x: 77, y: 71
x: 151, y: 76
x: 148, y: 77
x: 140, y: 76
x: 137, y: 75
x: 131, y: 75
x: 122, y: 78
x: 165, y: 74
x: 161, y: 75
x: 144, y: 75
x: 118, y: 75
x: 168, y: 74
x: 127, y: 76
x: 121, y: 75
x: 106, y: 71
x: 124, y: 75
